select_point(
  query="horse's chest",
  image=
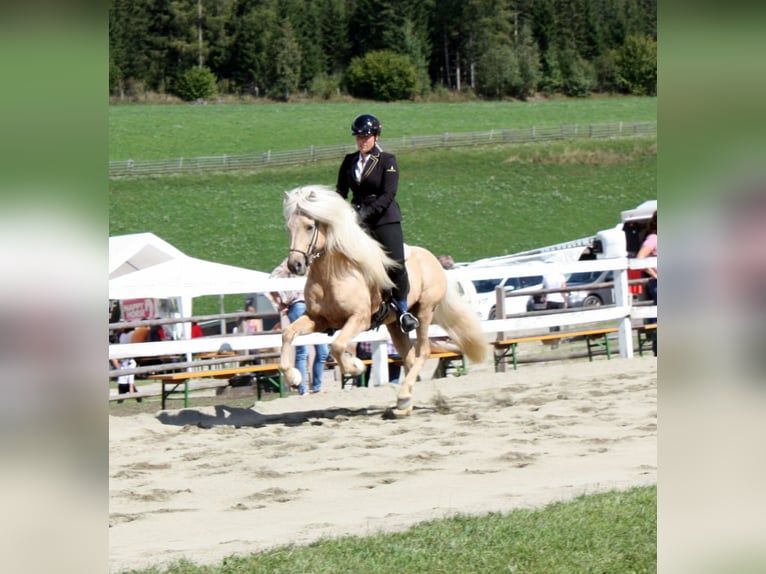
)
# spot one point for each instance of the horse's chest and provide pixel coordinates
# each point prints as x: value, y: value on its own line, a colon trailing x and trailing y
x: 334, y: 302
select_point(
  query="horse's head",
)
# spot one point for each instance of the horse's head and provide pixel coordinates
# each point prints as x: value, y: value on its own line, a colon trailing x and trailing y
x: 322, y: 223
x: 306, y: 214
x: 307, y: 241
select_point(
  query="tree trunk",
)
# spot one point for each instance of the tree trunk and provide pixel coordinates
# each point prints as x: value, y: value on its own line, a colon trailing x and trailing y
x: 457, y: 71
x: 199, y: 33
x: 446, y: 61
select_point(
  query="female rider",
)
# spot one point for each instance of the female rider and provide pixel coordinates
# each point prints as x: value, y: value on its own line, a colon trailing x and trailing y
x: 372, y: 176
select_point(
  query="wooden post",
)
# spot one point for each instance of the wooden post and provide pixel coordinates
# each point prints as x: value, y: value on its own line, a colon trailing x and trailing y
x: 500, y: 314
x: 379, y: 368
x: 622, y: 297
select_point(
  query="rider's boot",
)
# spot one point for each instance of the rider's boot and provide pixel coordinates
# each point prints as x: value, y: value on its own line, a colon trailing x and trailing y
x: 407, y: 321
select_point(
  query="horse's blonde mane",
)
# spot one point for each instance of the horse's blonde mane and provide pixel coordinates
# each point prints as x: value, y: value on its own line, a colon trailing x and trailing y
x: 344, y: 235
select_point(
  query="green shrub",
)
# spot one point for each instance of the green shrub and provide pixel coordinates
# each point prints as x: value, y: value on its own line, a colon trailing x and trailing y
x: 551, y: 80
x: 382, y: 75
x: 196, y: 84
x: 577, y: 74
x: 498, y: 71
x: 636, y: 63
x: 606, y: 72
x: 324, y: 86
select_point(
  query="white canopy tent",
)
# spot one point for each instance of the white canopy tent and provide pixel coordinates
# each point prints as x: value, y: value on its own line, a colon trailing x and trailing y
x: 185, y: 276
x: 642, y: 212
x: 161, y: 271
x: 136, y: 251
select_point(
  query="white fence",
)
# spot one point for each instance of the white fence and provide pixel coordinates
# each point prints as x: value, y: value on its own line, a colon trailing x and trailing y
x: 123, y: 168
x: 623, y: 314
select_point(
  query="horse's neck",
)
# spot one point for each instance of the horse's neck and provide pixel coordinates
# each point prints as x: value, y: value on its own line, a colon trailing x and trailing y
x: 326, y: 266
x: 332, y: 267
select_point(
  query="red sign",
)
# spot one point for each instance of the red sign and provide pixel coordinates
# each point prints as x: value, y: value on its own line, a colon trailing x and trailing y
x: 137, y: 309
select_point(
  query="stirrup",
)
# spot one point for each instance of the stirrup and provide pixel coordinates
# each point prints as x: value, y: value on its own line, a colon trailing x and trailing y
x: 408, y: 322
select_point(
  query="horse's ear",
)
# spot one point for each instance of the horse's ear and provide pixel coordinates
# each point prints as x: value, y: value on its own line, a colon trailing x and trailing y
x: 287, y: 195
x: 312, y: 194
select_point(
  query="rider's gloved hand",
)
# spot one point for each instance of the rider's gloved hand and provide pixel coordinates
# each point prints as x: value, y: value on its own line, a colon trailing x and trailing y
x: 364, y: 213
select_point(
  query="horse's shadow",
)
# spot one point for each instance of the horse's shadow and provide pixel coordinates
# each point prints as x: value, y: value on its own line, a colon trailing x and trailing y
x: 242, y: 417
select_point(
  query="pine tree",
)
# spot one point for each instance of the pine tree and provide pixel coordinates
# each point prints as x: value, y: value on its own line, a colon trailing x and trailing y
x: 287, y: 63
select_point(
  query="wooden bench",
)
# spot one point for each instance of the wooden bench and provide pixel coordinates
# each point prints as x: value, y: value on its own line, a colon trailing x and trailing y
x: 267, y: 373
x: 448, y: 362
x: 646, y: 334
x: 202, y: 385
x: 595, y: 339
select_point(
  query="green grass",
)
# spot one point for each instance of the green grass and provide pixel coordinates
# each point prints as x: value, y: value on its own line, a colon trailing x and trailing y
x: 606, y: 533
x: 186, y: 130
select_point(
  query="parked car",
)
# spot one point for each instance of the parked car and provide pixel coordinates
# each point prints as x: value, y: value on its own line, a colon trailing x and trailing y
x: 487, y: 300
x: 592, y: 297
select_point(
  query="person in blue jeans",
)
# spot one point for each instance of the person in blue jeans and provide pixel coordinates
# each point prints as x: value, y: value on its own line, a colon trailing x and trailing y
x: 293, y: 305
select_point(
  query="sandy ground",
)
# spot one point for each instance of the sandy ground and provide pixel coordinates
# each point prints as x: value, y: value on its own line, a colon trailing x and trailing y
x: 205, y: 483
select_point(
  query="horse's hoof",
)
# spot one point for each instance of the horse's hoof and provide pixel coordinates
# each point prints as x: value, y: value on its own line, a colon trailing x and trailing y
x: 403, y: 407
x: 358, y: 366
x: 293, y: 377
x: 391, y: 414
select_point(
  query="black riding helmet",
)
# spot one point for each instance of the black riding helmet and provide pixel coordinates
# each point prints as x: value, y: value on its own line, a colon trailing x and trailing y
x: 365, y: 125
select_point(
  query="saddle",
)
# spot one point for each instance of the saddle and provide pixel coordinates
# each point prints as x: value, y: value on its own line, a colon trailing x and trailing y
x: 387, y: 303
x: 387, y: 306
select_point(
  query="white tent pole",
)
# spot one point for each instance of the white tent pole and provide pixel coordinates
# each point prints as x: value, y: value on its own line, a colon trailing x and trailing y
x: 185, y: 301
x: 223, y: 321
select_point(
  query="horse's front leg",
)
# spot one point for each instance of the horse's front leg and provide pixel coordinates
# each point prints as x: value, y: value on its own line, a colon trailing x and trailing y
x: 302, y: 326
x: 414, y: 360
x: 349, y: 364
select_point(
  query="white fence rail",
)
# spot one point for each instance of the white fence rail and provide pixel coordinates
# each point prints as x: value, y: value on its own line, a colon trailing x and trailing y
x: 623, y: 314
x: 130, y: 167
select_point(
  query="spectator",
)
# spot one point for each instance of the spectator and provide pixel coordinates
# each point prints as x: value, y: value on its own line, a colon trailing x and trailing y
x: 196, y: 330
x: 447, y: 262
x: 251, y: 325
x: 139, y: 335
x: 125, y: 383
x: 649, y: 249
x: 156, y: 333
x: 292, y: 305
x: 558, y: 299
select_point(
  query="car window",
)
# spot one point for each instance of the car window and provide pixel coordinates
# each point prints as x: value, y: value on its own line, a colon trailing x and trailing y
x: 531, y: 280
x: 583, y: 277
x: 486, y: 285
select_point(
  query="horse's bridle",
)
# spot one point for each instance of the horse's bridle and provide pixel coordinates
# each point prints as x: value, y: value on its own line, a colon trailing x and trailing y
x: 309, y: 254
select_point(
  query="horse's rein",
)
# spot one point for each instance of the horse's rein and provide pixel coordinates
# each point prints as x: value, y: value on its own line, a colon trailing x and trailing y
x: 309, y: 254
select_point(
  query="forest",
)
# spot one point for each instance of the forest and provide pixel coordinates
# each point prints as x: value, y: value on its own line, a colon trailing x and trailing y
x: 381, y: 49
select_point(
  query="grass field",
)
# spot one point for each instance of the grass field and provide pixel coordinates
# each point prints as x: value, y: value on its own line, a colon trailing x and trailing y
x: 187, y: 130
x: 612, y: 532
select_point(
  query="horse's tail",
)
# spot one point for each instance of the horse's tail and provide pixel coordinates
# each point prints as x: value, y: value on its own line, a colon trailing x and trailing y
x: 456, y: 316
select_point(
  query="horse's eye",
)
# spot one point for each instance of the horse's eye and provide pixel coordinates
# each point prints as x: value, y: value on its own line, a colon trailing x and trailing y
x: 310, y: 227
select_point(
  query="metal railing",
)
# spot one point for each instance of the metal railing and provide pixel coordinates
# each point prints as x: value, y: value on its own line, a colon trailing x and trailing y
x: 259, y: 160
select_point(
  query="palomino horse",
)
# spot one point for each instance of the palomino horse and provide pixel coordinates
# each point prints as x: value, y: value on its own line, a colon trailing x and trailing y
x: 346, y: 276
